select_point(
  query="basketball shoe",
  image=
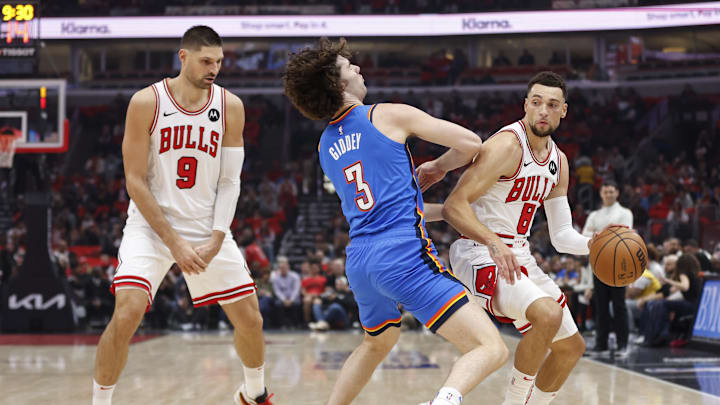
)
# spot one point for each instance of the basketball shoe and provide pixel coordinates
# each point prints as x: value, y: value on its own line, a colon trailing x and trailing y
x: 263, y: 399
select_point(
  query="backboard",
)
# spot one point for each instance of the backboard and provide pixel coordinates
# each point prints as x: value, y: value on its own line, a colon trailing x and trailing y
x: 35, y: 109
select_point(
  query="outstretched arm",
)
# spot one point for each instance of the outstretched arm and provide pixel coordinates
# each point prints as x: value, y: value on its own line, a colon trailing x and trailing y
x: 400, y: 121
x: 562, y: 234
x: 433, y: 212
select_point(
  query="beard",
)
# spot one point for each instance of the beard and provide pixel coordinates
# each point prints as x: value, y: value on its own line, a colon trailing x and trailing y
x: 538, y: 132
x: 201, y: 84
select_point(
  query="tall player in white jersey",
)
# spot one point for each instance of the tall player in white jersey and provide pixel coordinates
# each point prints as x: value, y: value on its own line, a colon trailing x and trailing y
x: 183, y: 154
x: 493, y: 206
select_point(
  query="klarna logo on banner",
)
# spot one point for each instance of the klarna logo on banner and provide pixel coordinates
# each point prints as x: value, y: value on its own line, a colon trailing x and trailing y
x: 474, y: 24
x: 72, y: 28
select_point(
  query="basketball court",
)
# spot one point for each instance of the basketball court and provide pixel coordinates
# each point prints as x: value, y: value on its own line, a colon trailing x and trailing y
x: 202, y: 368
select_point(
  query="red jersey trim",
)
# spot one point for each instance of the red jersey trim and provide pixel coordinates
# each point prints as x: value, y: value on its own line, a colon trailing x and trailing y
x: 522, y: 158
x: 224, y: 110
x: 157, y: 109
x: 184, y: 111
x: 547, y: 159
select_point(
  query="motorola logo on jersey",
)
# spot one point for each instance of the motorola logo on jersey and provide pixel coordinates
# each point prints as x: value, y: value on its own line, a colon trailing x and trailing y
x: 184, y: 137
x: 213, y: 115
x: 553, y: 168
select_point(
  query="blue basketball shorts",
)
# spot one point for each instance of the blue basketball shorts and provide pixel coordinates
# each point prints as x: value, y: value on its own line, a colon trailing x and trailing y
x: 401, y: 267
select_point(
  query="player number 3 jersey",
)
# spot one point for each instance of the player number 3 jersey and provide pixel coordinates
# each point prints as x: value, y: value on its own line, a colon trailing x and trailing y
x: 508, y: 207
x: 184, y: 161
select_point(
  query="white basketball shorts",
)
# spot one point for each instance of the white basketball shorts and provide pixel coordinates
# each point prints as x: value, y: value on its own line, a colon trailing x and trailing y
x: 144, y: 260
x: 472, y: 264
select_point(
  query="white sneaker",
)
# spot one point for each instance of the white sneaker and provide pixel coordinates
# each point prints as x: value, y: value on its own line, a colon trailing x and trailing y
x: 240, y: 399
x: 639, y: 340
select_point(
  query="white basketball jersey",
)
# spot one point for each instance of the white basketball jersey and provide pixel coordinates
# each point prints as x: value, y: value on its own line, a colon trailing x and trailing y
x: 184, y: 161
x: 508, y: 207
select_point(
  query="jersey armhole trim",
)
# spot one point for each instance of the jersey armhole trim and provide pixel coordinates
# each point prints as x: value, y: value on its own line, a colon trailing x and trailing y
x: 559, y: 163
x: 370, y: 112
x: 157, y: 109
x: 522, y: 157
x: 224, y: 111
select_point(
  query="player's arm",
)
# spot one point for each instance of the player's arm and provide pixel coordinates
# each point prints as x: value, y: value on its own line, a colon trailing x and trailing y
x: 401, y: 121
x: 433, y: 212
x: 563, y: 236
x: 135, y: 149
x: 232, y: 156
x: 499, y: 157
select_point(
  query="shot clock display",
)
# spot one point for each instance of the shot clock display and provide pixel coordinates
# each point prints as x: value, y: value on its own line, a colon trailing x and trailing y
x: 19, y: 35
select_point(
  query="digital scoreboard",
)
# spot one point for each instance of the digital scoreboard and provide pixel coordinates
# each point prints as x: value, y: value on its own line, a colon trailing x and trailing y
x: 19, y: 37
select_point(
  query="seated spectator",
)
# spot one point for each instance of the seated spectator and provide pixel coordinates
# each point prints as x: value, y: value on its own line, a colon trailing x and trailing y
x: 645, y: 286
x: 654, y: 259
x: 334, y: 307
x: 313, y: 286
x: 526, y: 58
x: 99, y: 300
x: 286, y: 286
x: 582, y: 294
x: 556, y: 59
x: 568, y: 276
x: 185, y: 317
x: 266, y: 302
x: 501, y: 60
x: 655, y: 319
x: 691, y: 247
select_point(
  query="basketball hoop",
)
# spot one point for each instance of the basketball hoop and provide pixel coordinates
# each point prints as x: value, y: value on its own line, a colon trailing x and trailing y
x: 8, y: 137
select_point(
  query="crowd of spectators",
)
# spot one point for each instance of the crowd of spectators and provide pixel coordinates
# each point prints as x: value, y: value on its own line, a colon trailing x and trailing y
x: 600, y: 136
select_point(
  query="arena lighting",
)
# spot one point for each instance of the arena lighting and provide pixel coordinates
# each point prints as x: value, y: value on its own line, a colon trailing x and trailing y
x: 680, y: 15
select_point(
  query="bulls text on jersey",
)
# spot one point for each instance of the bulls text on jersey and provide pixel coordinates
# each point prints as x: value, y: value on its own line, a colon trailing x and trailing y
x: 529, y: 189
x: 182, y: 136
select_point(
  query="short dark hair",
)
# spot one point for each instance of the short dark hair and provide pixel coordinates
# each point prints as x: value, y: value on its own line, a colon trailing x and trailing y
x: 312, y: 79
x: 687, y: 264
x: 199, y: 36
x: 609, y: 183
x: 550, y: 79
x: 692, y: 243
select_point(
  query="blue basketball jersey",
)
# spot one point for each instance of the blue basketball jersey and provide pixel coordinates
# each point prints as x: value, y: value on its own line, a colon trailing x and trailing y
x: 373, y: 175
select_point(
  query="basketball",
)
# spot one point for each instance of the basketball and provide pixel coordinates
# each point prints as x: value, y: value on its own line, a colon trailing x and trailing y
x: 618, y: 256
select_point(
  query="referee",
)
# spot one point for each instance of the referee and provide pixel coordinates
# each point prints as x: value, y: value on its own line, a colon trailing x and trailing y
x: 613, y: 213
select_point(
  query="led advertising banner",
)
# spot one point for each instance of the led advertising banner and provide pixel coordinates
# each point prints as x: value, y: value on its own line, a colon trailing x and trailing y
x: 387, y: 25
x: 707, y: 319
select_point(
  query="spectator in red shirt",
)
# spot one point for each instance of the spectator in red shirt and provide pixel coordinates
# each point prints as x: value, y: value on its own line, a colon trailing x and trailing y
x: 313, y: 285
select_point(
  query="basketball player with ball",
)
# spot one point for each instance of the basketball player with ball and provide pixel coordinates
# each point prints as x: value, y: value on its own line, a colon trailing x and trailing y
x: 493, y: 206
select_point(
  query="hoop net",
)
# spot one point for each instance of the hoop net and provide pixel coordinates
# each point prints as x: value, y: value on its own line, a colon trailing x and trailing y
x: 8, y: 138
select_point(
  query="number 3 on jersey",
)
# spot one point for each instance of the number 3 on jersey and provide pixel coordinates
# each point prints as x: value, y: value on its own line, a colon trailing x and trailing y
x: 354, y: 174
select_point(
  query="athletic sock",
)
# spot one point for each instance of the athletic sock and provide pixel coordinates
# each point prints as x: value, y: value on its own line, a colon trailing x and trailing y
x: 254, y: 381
x: 518, y: 388
x: 102, y: 394
x: 538, y: 397
x: 447, y: 396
